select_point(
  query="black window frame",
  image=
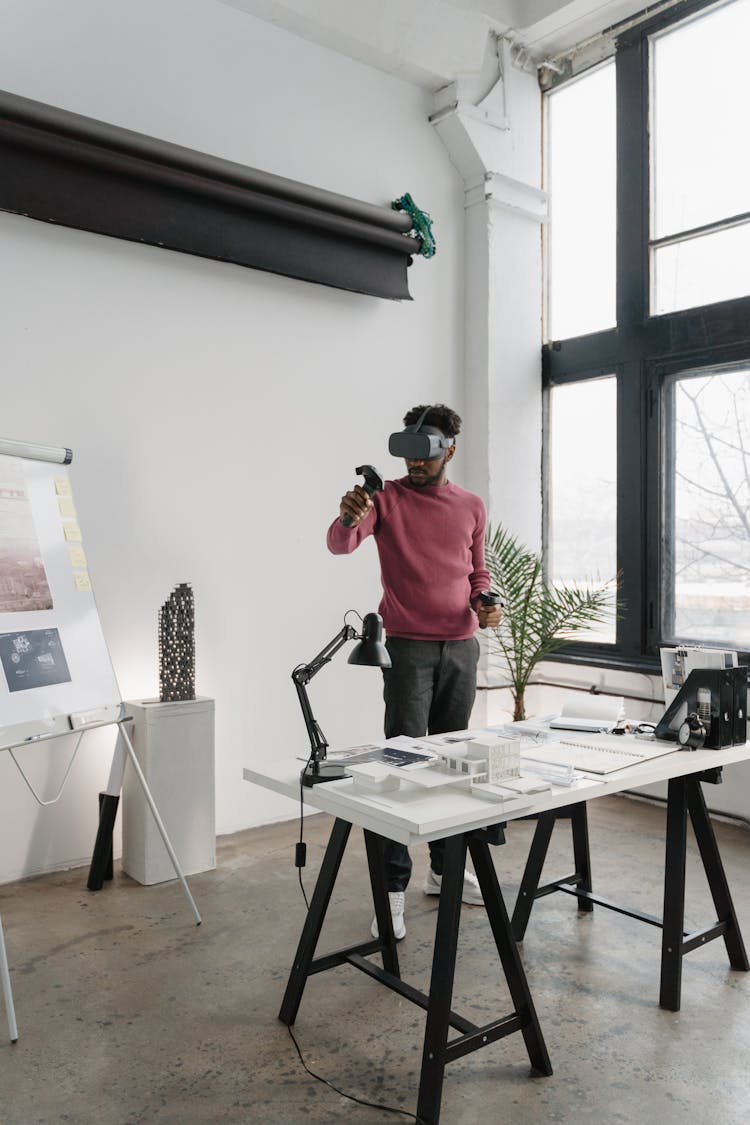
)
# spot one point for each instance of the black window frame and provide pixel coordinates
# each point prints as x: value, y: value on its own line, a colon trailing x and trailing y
x: 640, y: 351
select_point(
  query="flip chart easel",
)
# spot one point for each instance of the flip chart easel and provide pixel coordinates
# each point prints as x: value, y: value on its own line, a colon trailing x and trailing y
x: 7, y: 992
x: 56, y: 677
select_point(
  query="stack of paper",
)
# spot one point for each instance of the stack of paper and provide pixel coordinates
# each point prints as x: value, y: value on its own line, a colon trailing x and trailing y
x: 589, y: 713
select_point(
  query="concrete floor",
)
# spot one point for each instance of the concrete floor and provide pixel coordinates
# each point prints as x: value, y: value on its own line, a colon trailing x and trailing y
x: 130, y: 1014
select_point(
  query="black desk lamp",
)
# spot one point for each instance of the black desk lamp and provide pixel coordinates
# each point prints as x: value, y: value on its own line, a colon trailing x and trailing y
x: 371, y: 652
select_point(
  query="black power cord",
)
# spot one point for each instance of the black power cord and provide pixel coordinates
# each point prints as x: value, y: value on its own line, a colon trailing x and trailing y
x: 300, y: 850
x: 351, y: 1097
x: 300, y: 857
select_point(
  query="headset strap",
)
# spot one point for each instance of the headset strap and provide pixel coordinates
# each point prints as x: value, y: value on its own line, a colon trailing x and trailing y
x: 415, y: 428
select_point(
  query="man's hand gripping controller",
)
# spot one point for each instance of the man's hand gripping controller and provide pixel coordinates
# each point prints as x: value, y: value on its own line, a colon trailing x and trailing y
x: 373, y: 483
x: 489, y: 597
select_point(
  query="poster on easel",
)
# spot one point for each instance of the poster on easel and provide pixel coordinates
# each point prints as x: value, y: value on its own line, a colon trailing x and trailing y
x: 55, y: 671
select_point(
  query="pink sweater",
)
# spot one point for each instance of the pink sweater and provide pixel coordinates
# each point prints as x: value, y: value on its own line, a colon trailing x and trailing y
x: 431, y: 546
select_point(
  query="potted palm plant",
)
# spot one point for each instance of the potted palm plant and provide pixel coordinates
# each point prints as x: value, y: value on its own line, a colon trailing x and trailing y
x: 539, y: 616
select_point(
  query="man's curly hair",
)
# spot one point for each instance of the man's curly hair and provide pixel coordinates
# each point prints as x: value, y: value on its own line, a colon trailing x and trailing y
x: 439, y: 415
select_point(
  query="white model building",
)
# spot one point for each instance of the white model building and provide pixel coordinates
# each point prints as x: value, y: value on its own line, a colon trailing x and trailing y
x: 490, y: 759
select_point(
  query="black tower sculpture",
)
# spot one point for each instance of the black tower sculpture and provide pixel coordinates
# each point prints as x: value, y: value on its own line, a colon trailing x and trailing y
x: 177, y: 645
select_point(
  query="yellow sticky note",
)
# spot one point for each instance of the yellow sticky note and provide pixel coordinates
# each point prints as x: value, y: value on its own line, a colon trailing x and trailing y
x: 72, y: 532
x: 77, y: 556
x: 82, y: 581
x: 62, y: 486
x: 67, y: 508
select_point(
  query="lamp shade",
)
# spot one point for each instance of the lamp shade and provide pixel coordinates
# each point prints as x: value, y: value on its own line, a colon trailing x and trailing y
x: 371, y: 650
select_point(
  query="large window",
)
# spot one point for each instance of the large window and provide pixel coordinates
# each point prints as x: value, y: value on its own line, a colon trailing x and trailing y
x: 582, y: 493
x: 700, y: 163
x: 581, y: 183
x: 647, y: 364
x: 706, y: 511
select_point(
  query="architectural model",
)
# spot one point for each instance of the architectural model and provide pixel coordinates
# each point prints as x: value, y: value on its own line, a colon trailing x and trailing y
x: 177, y: 646
x: 490, y: 759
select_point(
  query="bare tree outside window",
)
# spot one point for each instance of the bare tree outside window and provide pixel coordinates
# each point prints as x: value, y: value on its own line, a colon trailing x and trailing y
x: 706, y: 529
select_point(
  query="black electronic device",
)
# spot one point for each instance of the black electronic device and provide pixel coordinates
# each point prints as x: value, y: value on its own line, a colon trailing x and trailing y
x: 418, y: 442
x: 489, y: 597
x: 727, y: 723
x: 691, y: 734
x: 373, y: 483
x: 738, y: 677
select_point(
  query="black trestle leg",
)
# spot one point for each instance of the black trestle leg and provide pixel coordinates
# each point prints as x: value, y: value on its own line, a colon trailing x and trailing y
x: 314, y: 921
x: 674, y: 895
x: 532, y: 873
x: 374, y: 845
x: 717, y: 880
x: 581, y: 852
x: 441, y: 984
x: 509, y: 956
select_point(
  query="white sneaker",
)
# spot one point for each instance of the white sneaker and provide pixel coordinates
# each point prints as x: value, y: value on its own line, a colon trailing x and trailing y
x: 471, y: 893
x: 396, y: 901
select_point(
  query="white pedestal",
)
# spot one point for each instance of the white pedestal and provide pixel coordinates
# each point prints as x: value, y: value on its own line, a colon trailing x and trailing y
x: 174, y: 745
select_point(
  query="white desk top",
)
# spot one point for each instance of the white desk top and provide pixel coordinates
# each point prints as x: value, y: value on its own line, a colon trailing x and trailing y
x: 412, y: 814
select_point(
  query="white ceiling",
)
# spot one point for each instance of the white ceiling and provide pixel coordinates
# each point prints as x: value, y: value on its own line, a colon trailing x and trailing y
x: 431, y: 42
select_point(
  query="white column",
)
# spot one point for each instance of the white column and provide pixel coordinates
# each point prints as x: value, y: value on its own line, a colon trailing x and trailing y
x: 496, y: 146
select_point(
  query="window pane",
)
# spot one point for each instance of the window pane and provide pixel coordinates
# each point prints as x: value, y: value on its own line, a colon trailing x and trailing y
x: 582, y: 494
x: 702, y: 270
x: 706, y: 533
x: 700, y: 158
x: 580, y: 177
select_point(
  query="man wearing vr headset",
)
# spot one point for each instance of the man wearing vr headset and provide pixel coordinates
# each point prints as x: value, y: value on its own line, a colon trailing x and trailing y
x: 429, y: 534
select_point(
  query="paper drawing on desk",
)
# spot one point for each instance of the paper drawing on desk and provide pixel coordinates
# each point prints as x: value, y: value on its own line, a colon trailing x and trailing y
x: 589, y: 713
x: 401, y: 751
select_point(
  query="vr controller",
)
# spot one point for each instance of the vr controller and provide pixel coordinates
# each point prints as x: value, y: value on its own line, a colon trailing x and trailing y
x: 489, y: 597
x: 373, y: 483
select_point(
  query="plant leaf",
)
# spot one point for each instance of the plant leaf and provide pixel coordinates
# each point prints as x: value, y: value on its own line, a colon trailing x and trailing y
x: 538, y: 617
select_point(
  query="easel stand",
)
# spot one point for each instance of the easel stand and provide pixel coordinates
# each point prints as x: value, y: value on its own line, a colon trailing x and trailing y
x: 438, y: 1049
x: 101, y: 863
x: 7, y: 992
x: 101, y: 860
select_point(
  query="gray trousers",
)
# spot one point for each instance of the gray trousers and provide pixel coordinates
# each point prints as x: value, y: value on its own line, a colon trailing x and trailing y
x: 429, y: 689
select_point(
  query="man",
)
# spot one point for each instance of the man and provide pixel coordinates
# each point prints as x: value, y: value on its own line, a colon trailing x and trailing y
x: 430, y: 539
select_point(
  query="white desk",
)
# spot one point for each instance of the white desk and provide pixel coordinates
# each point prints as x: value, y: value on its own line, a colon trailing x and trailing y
x: 466, y: 820
x: 431, y: 818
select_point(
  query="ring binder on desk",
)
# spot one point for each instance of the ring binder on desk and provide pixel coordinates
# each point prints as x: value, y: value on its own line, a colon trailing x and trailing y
x: 728, y: 710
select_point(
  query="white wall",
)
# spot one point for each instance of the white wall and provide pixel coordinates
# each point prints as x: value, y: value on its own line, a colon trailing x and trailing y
x: 216, y: 413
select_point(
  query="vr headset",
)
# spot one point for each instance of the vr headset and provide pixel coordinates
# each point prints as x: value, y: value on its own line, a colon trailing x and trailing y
x: 418, y: 443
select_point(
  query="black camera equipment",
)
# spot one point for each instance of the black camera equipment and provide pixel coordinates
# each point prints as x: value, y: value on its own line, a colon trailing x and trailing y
x: 725, y: 724
x: 691, y: 734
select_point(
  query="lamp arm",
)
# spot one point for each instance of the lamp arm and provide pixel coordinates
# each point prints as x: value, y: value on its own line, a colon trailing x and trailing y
x: 318, y: 743
x: 302, y: 675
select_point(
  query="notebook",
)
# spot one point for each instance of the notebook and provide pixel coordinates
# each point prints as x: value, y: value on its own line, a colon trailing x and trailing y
x: 599, y: 754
